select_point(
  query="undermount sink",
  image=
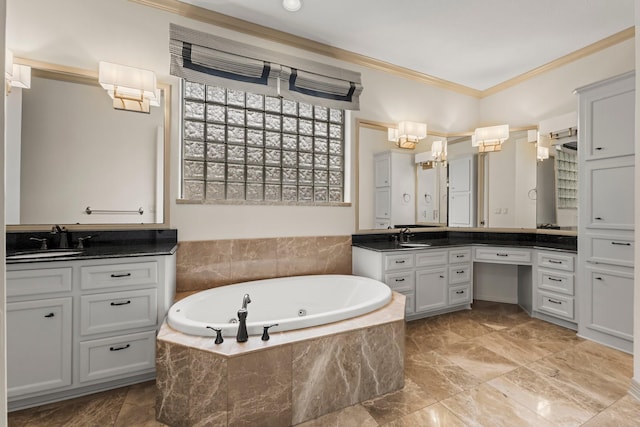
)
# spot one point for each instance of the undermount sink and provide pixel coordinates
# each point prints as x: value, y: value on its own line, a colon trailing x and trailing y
x: 47, y: 254
x: 415, y: 245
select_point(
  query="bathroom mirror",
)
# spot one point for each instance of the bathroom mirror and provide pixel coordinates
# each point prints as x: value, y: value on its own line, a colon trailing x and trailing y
x: 72, y: 159
x: 425, y: 195
x: 504, y: 202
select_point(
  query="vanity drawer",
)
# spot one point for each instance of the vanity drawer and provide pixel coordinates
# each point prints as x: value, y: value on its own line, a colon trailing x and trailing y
x: 555, y: 261
x: 459, y: 274
x: 111, y: 357
x: 460, y: 294
x: 556, y: 305
x: 398, y: 262
x: 118, y: 311
x: 401, y: 282
x: 503, y: 255
x: 38, y: 281
x: 612, y: 251
x: 429, y: 257
x: 556, y: 281
x: 459, y: 255
x: 113, y: 275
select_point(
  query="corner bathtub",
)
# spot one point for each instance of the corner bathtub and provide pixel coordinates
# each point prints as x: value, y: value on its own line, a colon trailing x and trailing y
x: 291, y: 302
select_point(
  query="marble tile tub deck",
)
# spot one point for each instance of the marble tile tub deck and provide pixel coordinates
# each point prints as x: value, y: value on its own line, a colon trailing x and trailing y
x: 490, y: 366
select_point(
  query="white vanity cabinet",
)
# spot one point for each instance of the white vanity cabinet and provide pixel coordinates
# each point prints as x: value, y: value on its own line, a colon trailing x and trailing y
x: 554, y: 288
x: 462, y: 192
x: 434, y: 281
x: 606, y: 225
x: 81, y: 326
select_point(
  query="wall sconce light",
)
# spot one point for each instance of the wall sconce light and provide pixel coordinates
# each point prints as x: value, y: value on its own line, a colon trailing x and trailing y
x: 439, y: 151
x: 132, y: 89
x: 408, y: 134
x: 490, y: 139
x: 16, y: 75
x: 542, y: 145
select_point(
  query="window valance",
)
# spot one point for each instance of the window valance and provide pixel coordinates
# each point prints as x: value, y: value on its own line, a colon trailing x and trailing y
x: 212, y: 60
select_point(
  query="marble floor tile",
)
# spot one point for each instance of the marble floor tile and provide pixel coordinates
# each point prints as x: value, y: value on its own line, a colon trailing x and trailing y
x: 486, y: 406
x: 624, y: 412
x: 541, y: 396
x: 396, y: 404
x: 437, y: 376
x: 489, y: 366
x: 436, y: 415
x: 477, y: 360
x: 351, y: 416
x: 513, y: 348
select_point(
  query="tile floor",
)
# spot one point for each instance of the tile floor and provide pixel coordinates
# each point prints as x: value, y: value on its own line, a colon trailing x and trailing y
x: 490, y: 366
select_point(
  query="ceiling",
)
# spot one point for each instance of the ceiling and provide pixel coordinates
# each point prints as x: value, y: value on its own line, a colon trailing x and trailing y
x: 477, y: 44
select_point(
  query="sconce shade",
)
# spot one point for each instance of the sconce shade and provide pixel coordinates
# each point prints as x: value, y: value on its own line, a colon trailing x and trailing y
x: 21, y: 76
x: 408, y: 134
x: 542, y: 153
x: 489, y: 139
x: 131, y: 89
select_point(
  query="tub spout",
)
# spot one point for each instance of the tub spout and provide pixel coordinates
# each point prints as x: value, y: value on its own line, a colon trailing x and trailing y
x: 242, y: 320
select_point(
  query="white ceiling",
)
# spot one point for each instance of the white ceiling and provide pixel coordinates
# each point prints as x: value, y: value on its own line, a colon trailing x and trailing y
x: 478, y: 44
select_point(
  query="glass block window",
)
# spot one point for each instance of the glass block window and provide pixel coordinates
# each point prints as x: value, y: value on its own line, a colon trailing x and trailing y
x: 243, y: 146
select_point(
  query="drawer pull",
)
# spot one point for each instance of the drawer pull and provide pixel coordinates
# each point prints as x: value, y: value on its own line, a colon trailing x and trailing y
x: 598, y: 218
x: 49, y: 315
x: 502, y: 254
x: 621, y: 243
x: 459, y: 256
x: 121, y: 303
x: 400, y: 280
x: 124, y: 347
x: 460, y: 271
x: 598, y: 278
x: 554, y: 261
x: 553, y: 279
x: 599, y: 148
x: 441, y: 276
x: 459, y: 292
x: 118, y: 275
x: 553, y: 301
x: 400, y: 261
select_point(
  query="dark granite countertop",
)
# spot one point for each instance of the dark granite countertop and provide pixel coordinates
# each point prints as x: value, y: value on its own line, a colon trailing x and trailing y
x: 102, y: 244
x: 385, y: 242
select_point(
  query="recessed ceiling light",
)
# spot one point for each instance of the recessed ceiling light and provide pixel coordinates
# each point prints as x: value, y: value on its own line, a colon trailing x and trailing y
x: 292, y: 5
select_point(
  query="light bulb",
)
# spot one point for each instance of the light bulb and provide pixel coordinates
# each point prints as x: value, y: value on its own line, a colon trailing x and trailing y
x: 292, y: 5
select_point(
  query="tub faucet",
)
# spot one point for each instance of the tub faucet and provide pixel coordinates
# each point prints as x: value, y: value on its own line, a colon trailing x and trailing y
x: 242, y: 318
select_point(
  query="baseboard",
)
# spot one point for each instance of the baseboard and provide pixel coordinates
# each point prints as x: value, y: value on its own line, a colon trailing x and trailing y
x: 492, y: 298
x: 634, y: 390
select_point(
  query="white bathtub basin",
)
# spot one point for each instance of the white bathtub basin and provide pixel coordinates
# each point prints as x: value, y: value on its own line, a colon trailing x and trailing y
x: 291, y: 302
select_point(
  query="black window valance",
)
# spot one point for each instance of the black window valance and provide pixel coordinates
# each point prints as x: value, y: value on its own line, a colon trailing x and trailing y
x: 205, y: 58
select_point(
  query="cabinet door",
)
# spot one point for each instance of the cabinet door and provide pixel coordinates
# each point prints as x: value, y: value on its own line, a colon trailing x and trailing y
x: 460, y: 174
x: 382, y: 169
x: 431, y: 289
x: 383, y: 202
x: 460, y: 209
x: 610, y: 204
x: 608, y: 112
x: 38, y: 345
x: 610, y: 299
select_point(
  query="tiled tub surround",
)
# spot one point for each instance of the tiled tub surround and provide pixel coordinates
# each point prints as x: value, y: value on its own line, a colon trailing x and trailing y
x: 212, y: 263
x: 295, y: 376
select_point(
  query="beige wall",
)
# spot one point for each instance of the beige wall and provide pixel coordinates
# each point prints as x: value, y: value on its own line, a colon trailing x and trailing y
x: 636, y: 293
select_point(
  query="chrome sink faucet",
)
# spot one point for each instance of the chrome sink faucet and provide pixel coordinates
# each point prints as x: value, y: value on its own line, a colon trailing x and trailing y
x: 404, y: 235
x: 64, y: 236
x: 242, y: 318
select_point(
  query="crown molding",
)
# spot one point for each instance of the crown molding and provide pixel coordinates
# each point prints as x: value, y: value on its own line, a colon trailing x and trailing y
x: 556, y: 63
x: 225, y: 21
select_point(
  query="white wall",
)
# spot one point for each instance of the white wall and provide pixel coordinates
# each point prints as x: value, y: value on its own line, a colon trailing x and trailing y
x: 13, y: 135
x: 636, y: 293
x: 80, y: 33
x: 3, y: 305
x: 551, y: 94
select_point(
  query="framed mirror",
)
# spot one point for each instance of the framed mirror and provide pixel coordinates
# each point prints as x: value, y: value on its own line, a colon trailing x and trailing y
x: 502, y: 201
x: 74, y: 160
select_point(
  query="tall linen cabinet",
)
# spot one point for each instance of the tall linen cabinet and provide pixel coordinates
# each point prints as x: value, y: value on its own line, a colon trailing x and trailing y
x: 606, y: 214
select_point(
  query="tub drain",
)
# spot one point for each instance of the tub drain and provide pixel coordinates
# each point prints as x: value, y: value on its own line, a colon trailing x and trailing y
x: 302, y: 312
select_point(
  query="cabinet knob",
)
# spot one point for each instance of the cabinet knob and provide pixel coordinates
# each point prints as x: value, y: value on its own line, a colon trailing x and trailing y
x: 598, y: 218
x: 49, y: 315
x: 441, y: 276
x: 599, y: 148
